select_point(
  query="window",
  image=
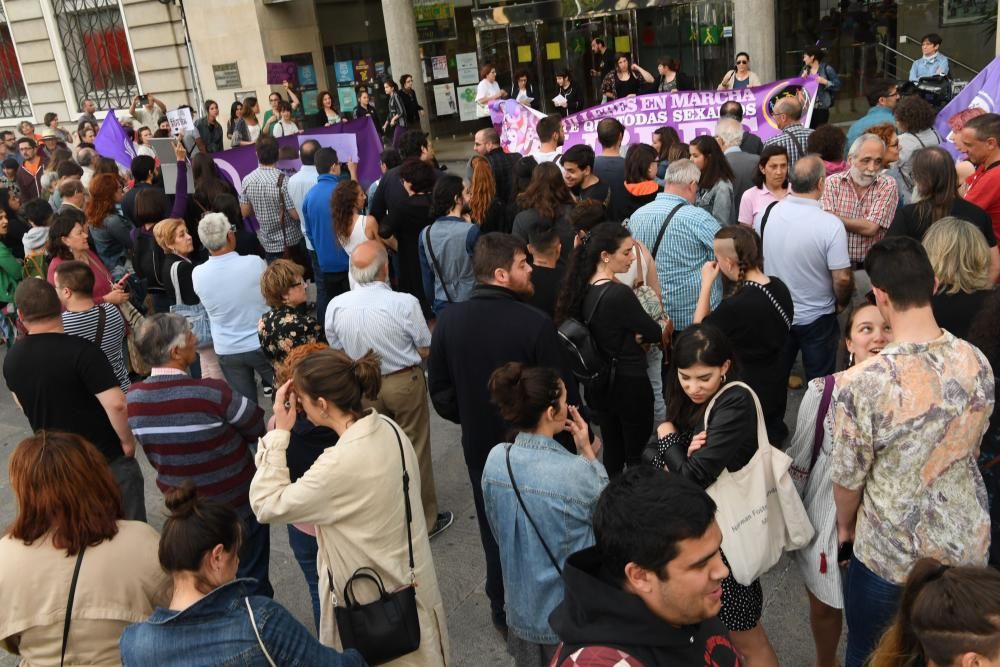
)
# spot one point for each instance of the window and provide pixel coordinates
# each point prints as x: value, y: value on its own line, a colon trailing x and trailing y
x: 13, y: 95
x: 98, y: 58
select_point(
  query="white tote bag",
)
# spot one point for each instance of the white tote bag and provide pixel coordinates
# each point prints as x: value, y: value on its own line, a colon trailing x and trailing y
x: 759, y: 511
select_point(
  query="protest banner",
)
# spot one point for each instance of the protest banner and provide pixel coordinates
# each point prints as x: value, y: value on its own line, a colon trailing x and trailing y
x: 278, y: 73
x: 111, y: 141
x: 691, y: 113
x: 983, y: 92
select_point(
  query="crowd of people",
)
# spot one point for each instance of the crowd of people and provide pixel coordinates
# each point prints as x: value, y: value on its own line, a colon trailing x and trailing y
x: 275, y: 350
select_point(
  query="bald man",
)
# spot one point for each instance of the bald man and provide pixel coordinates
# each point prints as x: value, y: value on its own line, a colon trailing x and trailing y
x: 373, y: 317
x: 794, y: 136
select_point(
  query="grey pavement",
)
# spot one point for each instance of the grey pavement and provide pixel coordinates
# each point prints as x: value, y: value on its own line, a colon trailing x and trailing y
x: 458, y: 556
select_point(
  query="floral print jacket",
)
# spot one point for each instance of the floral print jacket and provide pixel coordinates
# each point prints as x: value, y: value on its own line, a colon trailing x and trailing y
x: 285, y: 327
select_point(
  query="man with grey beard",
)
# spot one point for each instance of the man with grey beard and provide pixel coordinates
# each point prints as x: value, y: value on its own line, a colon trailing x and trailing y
x: 865, y: 200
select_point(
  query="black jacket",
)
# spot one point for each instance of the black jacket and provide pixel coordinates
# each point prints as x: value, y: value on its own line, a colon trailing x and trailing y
x: 502, y: 174
x: 531, y: 91
x: 597, y: 614
x: 471, y: 340
x: 574, y: 102
x: 732, y: 440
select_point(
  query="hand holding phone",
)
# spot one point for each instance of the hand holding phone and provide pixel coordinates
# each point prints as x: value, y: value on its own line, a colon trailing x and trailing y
x: 121, y: 284
x: 844, y: 552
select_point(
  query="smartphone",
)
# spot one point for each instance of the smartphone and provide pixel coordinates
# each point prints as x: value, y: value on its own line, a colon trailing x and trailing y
x: 845, y: 551
x: 143, y: 99
x: 124, y: 280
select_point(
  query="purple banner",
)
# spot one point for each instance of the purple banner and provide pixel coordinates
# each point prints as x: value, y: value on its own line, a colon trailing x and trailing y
x: 359, y: 135
x: 983, y: 92
x: 691, y: 113
x: 111, y: 141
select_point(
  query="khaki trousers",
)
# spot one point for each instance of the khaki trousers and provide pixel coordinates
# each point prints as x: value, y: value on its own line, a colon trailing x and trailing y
x: 404, y: 400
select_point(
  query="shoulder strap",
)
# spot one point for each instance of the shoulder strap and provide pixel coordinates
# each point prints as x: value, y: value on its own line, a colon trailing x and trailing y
x: 102, y: 318
x: 763, y: 221
x: 663, y: 228
x: 436, y: 265
x: 824, y: 407
x: 174, y: 269
x: 69, y: 604
x: 917, y: 137
x: 597, y: 302
x: 281, y: 209
x: 406, y: 498
x: 795, y: 140
x: 774, y: 302
x: 253, y: 624
x: 520, y: 500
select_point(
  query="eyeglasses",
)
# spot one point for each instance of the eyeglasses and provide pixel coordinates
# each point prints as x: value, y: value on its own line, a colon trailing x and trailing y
x: 742, y: 62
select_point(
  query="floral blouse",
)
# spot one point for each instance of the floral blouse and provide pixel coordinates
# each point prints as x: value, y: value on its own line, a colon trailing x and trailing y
x: 285, y: 327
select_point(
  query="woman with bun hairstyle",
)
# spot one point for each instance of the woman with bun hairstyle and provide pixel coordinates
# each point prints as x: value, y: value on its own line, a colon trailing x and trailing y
x: 948, y: 617
x: 558, y: 491
x: 69, y: 513
x: 211, y: 619
x: 352, y: 494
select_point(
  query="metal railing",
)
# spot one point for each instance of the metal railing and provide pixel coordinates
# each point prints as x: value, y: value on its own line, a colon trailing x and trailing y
x: 951, y: 60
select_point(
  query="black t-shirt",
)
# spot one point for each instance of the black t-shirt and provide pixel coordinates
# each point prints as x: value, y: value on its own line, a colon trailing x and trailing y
x: 906, y: 222
x: 611, y: 170
x: 618, y: 318
x: 547, y: 282
x: 56, y: 378
x: 956, y: 312
x: 631, y: 86
x: 599, y: 191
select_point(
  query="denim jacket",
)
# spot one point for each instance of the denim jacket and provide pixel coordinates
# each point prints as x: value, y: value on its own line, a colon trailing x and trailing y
x: 216, y: 630
x: 560, y: 490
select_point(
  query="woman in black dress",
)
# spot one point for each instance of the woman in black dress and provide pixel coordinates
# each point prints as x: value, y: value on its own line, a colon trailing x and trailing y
x: 702, y: 362
x: 620, y: 327
x: 756, y: 319
x: 409, y: 98
x: 626, y: 79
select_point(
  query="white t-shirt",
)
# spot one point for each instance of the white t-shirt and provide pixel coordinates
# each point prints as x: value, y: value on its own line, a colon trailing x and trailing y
x: 283, y: 129
x: 486, y: 89
x: 357, y: 238
x: 254, y: 131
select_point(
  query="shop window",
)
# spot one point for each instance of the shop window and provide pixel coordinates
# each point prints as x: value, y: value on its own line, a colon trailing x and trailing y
x: 13, y: 95
x: 92, y: 34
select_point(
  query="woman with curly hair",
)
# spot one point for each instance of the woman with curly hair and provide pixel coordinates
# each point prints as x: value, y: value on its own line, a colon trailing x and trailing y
x: 547, y: 198
x: 110, y: 231
x: 828, y: 141
x: 351, y: 227
x: 915, y: 128
x: 485, y: 209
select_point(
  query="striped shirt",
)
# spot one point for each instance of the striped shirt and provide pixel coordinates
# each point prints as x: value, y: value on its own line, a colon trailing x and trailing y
x: 84, y: 324
x: 794, y: 138
x: 686, y: 246
x: 198, y: 430
x: 373, y: 317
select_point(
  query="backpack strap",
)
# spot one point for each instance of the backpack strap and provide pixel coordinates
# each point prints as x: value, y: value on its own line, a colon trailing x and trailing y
x: 763, y: 221
x: 436, y: 265
x: 663, y: 227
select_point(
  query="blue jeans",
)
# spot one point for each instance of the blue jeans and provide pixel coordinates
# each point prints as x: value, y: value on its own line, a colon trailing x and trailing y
x: 239, y: 369
x: 869, y: 606
x: 305, y: 549
x: 818, y: 342
x: 255, y: 556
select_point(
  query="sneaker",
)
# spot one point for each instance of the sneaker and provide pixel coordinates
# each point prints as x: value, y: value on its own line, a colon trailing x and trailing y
x: 444, y: 521
x: 268, y: 390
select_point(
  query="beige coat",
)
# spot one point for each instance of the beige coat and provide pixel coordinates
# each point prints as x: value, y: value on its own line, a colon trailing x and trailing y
x: 120, y: 583
x: 353, y: 494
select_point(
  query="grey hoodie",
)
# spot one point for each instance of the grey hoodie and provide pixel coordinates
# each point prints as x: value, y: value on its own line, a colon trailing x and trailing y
x: 35, y: 240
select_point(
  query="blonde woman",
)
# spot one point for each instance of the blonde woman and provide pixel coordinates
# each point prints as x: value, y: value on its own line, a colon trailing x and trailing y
x: 961, y: 262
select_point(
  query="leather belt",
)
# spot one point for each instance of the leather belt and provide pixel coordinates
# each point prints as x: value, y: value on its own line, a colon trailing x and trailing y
x: 401, y: 370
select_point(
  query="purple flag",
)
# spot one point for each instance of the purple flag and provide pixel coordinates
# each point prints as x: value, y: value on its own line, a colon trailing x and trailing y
x: 983, y: 92
x: 691, y: 113
x: 111, y: 141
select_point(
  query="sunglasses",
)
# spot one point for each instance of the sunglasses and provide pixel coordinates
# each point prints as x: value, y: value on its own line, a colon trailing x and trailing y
x: 742, y: 62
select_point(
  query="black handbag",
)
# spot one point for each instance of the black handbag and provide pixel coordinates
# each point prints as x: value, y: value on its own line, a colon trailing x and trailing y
x: 389, y: 627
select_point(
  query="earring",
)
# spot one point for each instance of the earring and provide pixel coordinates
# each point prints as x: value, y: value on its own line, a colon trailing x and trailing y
x: 850, y: 360
x: 606, y: 260
x: 723, y: 378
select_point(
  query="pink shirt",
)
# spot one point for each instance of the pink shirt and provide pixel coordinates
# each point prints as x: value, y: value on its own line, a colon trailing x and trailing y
x: 102, y: 277
x: 753, y: 202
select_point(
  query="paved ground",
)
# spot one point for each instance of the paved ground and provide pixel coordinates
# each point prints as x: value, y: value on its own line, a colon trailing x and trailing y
x: 457, y: 555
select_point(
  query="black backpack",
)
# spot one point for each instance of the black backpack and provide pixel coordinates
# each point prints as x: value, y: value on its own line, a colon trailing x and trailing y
x: 586, y: 361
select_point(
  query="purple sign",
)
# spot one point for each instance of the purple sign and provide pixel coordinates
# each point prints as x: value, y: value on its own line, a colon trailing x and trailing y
x: 278, y: 73
x: 691, y: 113
x: 111, y: 141
x: 363, y: 145
x: 983, y: 92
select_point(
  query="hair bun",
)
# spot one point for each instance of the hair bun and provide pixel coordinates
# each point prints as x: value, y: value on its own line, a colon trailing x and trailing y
x: 183, y: 500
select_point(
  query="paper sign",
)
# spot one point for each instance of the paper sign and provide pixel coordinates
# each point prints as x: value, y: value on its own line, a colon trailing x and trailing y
x: 553, y: 51
x: 344, y: 71
x: 468, y: 68
x: 467, y: 103
x: 278, y: 73
x: 524, y: 54
x: 439, y: 67
x: 227, y: 75
x: 180, y: 119
x: 727, y: 31
x: 347, y: 98
x: 444, y: 99
x: 623, y: 44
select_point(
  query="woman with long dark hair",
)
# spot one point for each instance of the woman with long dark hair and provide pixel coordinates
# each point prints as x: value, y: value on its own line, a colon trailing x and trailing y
x: 17, y: 227
x: 641, y: 164
x: 247, y: 127
x: 409, y: 98
x: 829, y: 83
x: 328, y: 114
x: 664, y: 138
x: 625, y: 80
x: 547, y: 198
x: 715, y: 189
x: 770, y: 184
x: 395, y: 118
x: 702, y: 362
x: 621, y: 328
x: 365, y: 108
x: 351, y: 227
x: 235, y: 113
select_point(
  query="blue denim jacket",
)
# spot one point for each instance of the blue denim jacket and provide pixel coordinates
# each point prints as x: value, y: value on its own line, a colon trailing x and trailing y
x: 560, y: 490
x: 216, y: 631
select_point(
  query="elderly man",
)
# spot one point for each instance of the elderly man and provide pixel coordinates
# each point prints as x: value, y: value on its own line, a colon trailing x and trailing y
x: 729, y: 133
x: 751, y: 142
x: 374, y: 317
x: 679, y: 235
x: 865, y: 200
x: 228, y: 285
x: 198, y: 430
x: 806, y: 248
x: 794, y: 136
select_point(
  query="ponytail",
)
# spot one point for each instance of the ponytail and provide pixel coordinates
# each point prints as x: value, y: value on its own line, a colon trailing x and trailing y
x: 523, y: 394
x: 339, y: 380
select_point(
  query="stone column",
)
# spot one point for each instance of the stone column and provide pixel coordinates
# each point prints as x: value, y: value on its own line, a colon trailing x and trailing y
x: 404, y: 52
x: 754, y: 31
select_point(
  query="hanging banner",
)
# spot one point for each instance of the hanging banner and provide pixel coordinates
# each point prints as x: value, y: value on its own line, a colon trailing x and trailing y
x: 691, y: 113
x: 983, y: 92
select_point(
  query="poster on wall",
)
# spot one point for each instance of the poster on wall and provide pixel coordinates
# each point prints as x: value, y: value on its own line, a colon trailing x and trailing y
x: 435, y: 20
x: 468, y: 68
x: 344, y: 71
x: 444, y: 99
x: 347, y: 98
x: 439, y: 67
x: 227, y: 75
x: 362, y: 71
x: 467, y: 102
x: 954, y: 12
